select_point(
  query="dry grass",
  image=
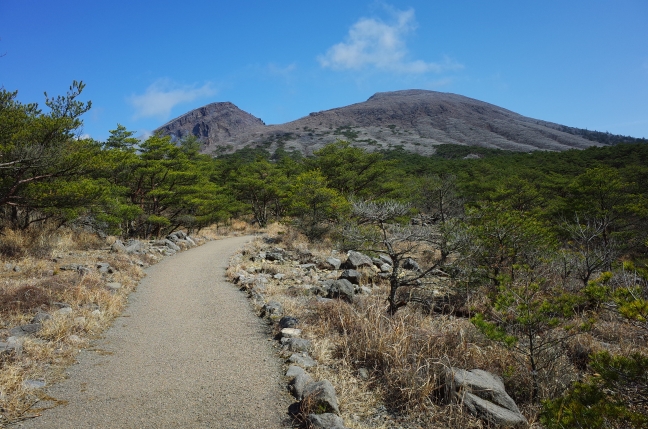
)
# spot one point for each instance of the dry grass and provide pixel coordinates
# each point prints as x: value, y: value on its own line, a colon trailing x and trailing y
x: 407, y: 355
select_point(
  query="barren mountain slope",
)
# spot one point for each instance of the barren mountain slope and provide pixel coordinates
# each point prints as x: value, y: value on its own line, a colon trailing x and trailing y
x: 417, y: 120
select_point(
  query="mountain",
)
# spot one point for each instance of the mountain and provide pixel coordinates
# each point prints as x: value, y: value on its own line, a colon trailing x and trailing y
x: 416, y: 120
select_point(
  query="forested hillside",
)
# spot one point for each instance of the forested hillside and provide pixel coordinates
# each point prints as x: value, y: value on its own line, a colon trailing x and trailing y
x: 553, y: 244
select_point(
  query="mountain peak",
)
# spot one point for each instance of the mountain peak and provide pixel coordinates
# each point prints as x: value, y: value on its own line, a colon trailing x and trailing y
x: 416, y: 120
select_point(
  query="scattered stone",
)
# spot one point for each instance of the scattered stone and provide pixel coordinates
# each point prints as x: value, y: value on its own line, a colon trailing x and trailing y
x: 60, y: 304
x: 40, y: 317
x: 279, y: 276
x: 171, y: 245
x: 342, y: 289
x: 484, y: 395
x: 257, y: 296
x: 14, y: 344
x: 33, y: 384
x: 294, y: 371
x: 356, y: 260
x: 296, y: 344
x: 386, y: 259
x: 308, y: 267
x: 325, y: 285
x: 290, y: 333
x: 385, y: 268
x: 274, y: 256
x: 288, y: 322
x: 365, y: 290
x: 411, y: 264
x: 74, y: 339
x: 104, y: 268
x: 272, y: 308
x: 363, y: 373
x: 24, y: 330
x: 75, y: 267
x: 113, y: 286
x: 118, y: 247
x: 317, y: 291
x: 351, y: 275
x: 326, y: 421
x: 322, y: 300
x: 17, y: 269
x: 8, y: 266
x: 302, y: 359
x: 299, y: 383
x: 95, y: 313
x: 332, y: 263
x: 320, y: 398
x: 64, y: 311
x: 486, y: 410
x: 134, y: 247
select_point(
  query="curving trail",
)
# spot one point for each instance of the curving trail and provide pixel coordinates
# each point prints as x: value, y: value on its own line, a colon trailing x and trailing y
x: 187, y: 353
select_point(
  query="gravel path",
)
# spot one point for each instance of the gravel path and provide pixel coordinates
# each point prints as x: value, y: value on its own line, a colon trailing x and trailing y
x: 187, y: 353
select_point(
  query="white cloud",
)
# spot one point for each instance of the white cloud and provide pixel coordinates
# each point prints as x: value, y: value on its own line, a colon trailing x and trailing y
x: 372, y: 42
x: 163, y: 95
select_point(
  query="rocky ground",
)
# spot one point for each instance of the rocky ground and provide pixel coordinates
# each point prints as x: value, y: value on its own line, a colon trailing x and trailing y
x: 291, y: 287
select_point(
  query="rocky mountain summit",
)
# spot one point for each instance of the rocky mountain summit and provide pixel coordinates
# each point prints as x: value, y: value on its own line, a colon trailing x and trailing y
x: 416, y: 120
x: 212, y: 124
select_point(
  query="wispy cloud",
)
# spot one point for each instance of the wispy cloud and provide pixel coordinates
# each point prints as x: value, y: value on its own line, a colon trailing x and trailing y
x: 284, y: 71
x: 163, y: 95
x: 374, y: 43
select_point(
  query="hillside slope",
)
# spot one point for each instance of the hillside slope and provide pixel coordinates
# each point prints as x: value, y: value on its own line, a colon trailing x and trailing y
x: 417, y: 120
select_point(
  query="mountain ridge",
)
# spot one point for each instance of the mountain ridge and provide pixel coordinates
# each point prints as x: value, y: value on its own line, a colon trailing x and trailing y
x: 416, y: 120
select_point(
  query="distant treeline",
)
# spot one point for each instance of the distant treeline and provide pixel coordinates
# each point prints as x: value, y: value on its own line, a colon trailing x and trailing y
x: 147, y: 188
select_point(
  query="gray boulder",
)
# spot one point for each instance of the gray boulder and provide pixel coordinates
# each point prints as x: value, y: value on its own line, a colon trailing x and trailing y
x: 326, y: 421
x: 411, y: 264
x: 134, y: 247
x: 351, y: 275
x: 342, y: 289
x: 273, y: 308
x: 295, y: 344
x: 332, y: 263
x: 308, y: 267
x: 484, y: 396
x: 24, y: 330
x: 492, y: 413
x: 274, y: 256
x: 104, y: 268
x: 40, y: 317
x: 300, y: 379
x: 302, y: 359
x: 386, y: 259
x: 288, y: 322
x: 171, y: 245
x: 113, y: 286
x: 118, y: 247
x: 320, y: 398
x: 356, y: 260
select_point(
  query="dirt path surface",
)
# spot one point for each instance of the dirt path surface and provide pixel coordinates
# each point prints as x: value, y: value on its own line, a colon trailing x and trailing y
x: 187, y: 353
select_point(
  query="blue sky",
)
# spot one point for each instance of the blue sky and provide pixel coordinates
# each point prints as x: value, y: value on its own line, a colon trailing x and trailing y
x: 577, y: 63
